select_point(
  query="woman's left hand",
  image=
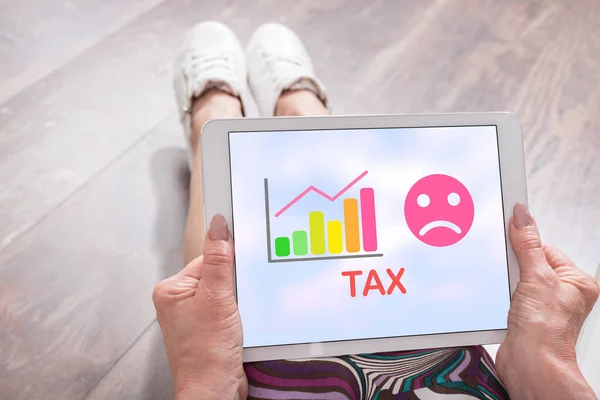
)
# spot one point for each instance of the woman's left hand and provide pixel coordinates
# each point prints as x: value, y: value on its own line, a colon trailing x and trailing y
x: 201, y: 326
x: 552, y: 300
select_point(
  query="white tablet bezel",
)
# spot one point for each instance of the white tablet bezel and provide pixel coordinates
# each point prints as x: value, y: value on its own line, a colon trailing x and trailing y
x: 217, y: 200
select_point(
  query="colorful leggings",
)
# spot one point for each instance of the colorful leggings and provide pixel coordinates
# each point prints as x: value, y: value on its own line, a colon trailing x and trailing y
x: 464, y: 373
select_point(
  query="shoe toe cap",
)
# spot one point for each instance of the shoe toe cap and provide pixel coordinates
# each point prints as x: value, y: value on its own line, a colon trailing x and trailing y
x: 275, y: 35
x: 210, y: 35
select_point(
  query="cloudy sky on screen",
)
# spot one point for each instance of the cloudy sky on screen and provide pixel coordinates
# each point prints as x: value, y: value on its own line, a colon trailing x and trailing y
x: 463, y: 287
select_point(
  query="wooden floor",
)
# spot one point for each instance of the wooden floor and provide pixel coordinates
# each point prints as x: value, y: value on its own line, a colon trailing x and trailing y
x: 93, y: 182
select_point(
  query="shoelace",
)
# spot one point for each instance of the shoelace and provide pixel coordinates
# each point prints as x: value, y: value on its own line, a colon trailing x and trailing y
x: 200, y: 63
x: 281, y: 74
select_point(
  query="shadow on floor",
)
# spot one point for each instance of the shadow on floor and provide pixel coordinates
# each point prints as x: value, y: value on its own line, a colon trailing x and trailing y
x: 171, y: 178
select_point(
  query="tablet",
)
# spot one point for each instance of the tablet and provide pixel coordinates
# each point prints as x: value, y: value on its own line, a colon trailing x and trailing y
x: 361, y: 234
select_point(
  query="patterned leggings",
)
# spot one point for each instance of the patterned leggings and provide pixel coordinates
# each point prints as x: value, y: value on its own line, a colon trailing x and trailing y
x: 463, y: 373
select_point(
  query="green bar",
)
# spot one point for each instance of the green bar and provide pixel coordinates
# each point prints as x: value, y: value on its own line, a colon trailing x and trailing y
x: 282, y: 247
x: 300, y: 243
x: 317, y: 232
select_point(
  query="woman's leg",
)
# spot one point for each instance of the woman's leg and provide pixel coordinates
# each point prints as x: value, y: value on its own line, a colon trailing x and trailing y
x: 210, y: 73
x: 213, y: 104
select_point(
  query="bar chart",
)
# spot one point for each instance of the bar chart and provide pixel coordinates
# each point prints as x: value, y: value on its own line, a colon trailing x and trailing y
x: 354, y: 235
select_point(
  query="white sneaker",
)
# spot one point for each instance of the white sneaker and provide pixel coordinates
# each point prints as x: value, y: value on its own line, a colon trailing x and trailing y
x: 278, y: 61
x: 211, y: 57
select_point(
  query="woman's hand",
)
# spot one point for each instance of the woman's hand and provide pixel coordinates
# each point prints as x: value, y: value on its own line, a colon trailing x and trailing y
x: 199, y: 318
x: 550, y: 304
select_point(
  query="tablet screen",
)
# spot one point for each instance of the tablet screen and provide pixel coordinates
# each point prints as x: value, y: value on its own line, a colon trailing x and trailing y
x: 368, y: 233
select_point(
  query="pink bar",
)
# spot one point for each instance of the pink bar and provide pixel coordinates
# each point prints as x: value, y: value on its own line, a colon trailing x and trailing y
x: 367, y: 213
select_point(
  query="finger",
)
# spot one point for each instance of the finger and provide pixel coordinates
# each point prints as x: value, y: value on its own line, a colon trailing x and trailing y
x: 527, y: 244
x: 217, y: 268
x: 175, y: 288
x: 193, y: 269
x: 567, y: 271
x: 556, y: 258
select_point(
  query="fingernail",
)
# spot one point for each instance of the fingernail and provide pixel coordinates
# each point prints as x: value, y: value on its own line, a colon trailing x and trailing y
x: 521, y: 216
x: 218, y: 228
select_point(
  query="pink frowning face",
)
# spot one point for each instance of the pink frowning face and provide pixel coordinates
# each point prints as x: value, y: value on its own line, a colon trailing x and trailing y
x: 439, y: 210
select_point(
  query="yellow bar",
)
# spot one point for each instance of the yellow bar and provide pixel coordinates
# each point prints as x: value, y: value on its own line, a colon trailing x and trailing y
x: 317, y: 232
x: 351, y: 225
x: 334, y: 237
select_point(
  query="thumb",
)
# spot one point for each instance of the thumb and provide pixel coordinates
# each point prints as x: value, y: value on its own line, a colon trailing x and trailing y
x: 527, y: 244
x: 217, y: 269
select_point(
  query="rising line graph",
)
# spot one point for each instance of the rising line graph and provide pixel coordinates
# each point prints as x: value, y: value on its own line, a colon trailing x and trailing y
x: 322, y: 193
x: 354, y: 235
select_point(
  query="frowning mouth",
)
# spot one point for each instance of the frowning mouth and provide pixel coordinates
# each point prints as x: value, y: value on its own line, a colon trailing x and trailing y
x: 439, y: 224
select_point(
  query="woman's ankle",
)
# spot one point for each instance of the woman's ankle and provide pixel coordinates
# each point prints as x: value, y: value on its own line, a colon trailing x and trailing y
x: 299, y: 103
x: 213, y: 104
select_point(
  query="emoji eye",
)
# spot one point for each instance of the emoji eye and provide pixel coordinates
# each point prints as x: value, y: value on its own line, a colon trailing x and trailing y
x: 423, y: 200
x: 453, y: 199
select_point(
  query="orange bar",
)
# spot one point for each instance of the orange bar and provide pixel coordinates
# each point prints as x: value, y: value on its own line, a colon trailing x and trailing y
x: 351, y: 225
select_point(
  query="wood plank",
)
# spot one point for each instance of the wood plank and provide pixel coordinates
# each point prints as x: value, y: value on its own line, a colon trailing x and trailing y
x: 588, y: 346
x: 142, y: 374
x: 38, y: 36
x: 79, y: 118
x: 558, y: 114
x: 76, y: 291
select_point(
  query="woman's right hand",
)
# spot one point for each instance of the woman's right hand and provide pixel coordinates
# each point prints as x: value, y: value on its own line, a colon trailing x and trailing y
x: 200, y: 322
x: 548, y: 308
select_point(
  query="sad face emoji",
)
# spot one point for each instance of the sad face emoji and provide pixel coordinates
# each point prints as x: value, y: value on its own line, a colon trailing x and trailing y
x: 439, y: 210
